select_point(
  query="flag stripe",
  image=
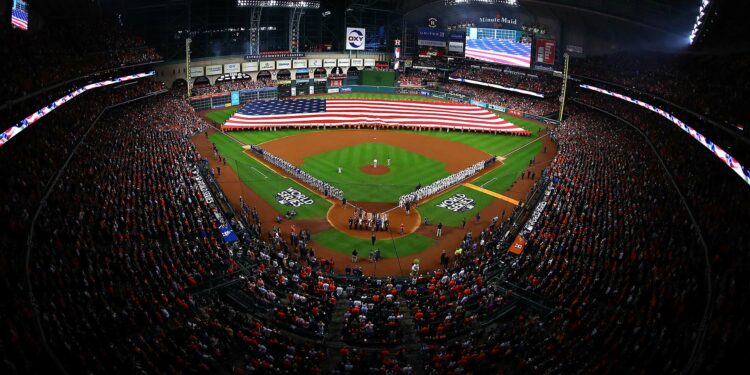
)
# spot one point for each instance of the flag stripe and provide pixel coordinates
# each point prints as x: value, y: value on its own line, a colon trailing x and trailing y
x: 336, y: 112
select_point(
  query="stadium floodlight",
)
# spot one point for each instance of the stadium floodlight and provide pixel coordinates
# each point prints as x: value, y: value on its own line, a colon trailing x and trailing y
x: 513, y: 3
x: 304, y: 4
x: 699, y: 19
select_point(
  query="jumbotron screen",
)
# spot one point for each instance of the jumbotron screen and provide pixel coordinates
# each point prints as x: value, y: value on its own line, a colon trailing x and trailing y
x: 502, y: 46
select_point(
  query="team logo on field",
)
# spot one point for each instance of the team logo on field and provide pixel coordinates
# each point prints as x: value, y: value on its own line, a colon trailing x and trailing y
x: 457, y: 203
x: 293, y: 197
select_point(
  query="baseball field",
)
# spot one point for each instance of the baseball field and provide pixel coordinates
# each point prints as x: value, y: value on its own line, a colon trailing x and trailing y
x: 405, y: 159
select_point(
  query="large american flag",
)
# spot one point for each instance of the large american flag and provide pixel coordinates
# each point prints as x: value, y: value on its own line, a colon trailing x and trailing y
x: 338, y: 112
x: 499, y: 51
x: 19, y: 15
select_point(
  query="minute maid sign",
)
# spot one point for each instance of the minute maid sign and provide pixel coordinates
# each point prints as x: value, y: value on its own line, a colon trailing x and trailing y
x: 355, y: 38
x: 499, y: 19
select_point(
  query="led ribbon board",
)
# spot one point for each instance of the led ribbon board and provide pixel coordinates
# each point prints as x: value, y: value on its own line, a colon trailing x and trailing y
x: 731, y: 162
x: 34, y: 117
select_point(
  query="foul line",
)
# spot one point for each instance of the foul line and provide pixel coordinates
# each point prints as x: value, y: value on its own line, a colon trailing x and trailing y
x: 259, y: 172
x: 492, y: 193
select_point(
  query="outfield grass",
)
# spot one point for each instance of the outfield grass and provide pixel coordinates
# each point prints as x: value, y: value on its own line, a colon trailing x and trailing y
x: 405, y: 246
x: 266, y: 182
x: 221, y: 116
x: 406, y: 171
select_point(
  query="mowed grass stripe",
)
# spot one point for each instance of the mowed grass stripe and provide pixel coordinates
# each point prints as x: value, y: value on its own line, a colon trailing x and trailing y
x: 405, y: 246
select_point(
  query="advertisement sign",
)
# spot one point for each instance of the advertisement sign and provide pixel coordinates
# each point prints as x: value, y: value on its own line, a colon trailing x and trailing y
x: 545, y: 51
x: 346, y: 89
x: 298, y: 64
x: 312, y: 89
x: 574, y: 49
x: 456, y: 42
x: 196, y: 71
x: 283, y: 64
x: 355, y: 38
x: 431, y: 37
x: 267, y: 65
x: 333, y: 91
x: 303, y: 71
x: 369, y: 62
x: 232, y: 68
x: 235, y: 97
x: 315, y: 63
x: 329, y: 63
x: 357, y: 62
x: 250, y: 66
x: 213, y: 70
x: 343, y: 62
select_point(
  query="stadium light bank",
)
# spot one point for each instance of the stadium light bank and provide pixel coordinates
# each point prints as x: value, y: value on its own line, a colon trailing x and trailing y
x: 699, y: 19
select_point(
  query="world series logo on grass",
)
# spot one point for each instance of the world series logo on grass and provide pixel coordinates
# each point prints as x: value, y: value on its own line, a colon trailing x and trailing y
x: 457, y: 203
x: 293, y: 197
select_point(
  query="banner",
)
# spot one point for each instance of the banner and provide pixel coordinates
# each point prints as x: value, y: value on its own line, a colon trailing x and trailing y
x: 298, y: 64
x: 431, y: 37
x: 315, y: 63
x: 369, y: 62
x: 227, y: 233
x: 196, y: 71
x: 355, y: 39
x: 232, y: 68
x: 267, y: 65
x: 343, y: 62
x: 312, y: 89
x: 357, y: 62
x: 456, y: 41
x: 283, y: 64
x: 250, y: 66
x: 545, y: 51
x: 213, y: 70
x: 302, y: 71
x: 235, y: 95
x: 329, y: 63
x: 34, y: 117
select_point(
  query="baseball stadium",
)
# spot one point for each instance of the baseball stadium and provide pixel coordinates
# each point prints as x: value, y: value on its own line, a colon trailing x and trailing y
x: 374, y: 186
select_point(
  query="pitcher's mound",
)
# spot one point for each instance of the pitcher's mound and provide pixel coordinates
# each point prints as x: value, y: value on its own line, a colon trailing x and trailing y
x: 369, y: 169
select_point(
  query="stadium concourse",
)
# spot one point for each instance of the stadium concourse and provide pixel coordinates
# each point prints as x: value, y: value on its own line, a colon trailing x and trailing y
x: 128, y: 244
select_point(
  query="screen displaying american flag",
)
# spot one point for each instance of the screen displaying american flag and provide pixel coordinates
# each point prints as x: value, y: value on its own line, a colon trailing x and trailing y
x: 20, y: 15
x: 338, y: 112
x: 498, y: 46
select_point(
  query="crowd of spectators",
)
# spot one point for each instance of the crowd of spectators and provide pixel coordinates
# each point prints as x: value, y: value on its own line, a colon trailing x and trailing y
x: 538, y: 82
x: 41, y: 57
x: 419, y: 77
x: 719, y: 205
x: 512, y: 101
x: 231, y: 85
x: 127, y: 242
x: 711, y: 85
